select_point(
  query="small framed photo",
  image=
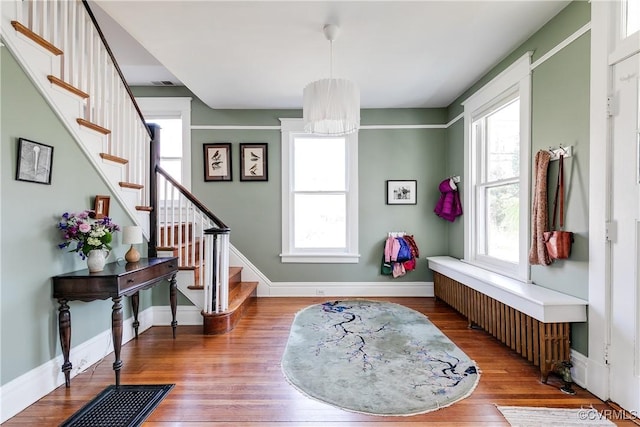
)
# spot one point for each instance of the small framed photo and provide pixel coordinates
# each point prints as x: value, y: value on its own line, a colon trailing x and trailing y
x: 35, y: 161
x: 401, y: 192
x: 101, y: 207
x: 253, y: 162
x: 217, y: 161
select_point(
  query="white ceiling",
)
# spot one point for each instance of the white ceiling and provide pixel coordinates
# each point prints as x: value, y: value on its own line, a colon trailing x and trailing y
x: 261, y: 54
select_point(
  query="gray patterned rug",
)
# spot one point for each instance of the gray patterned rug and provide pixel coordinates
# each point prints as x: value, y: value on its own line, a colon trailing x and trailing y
x: 375, y: 358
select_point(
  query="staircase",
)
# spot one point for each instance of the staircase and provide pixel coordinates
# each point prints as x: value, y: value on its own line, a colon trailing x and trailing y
x: 62, y: 49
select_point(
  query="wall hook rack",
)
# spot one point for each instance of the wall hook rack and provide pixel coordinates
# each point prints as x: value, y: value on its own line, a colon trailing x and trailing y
x: 555, y: 152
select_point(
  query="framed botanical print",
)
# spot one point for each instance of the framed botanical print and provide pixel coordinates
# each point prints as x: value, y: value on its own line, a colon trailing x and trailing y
x: 217, y: 161
x: 253, y: 162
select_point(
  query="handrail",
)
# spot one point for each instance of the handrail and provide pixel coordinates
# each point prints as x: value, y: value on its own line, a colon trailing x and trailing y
x: 186, y: 193
x: 115, y: 63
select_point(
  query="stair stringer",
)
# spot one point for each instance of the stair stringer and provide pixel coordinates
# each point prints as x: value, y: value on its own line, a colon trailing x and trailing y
x: 38, y: 63
x: 250, y: 273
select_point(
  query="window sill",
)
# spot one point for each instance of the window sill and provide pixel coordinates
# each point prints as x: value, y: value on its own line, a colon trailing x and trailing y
x: 320, y: 258
x: 545, y: 305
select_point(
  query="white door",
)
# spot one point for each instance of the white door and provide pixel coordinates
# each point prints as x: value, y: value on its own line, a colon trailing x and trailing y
x: 624, y: 351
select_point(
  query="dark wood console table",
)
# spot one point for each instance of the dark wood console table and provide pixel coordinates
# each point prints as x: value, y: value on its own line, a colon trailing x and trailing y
x: 115, y: 281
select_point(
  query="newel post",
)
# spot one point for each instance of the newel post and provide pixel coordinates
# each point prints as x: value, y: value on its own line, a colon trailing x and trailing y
x: 154, y: 156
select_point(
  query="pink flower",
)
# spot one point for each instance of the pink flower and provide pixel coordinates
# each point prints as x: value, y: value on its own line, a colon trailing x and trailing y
x: 84, y: 227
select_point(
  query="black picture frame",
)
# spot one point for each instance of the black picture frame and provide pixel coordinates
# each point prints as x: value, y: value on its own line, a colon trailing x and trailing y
x: 217, y: 161
x: 34, y: 162
x: 402, y: 192
x: 254, y: 162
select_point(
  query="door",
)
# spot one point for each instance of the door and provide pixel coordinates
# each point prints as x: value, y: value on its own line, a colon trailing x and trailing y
x: 624, y: 351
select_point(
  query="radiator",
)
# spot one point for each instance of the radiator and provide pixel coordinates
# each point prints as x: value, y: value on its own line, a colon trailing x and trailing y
x: 543, y: 344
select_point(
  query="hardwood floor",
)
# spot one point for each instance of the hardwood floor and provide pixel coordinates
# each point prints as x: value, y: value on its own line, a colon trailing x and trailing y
x: 236, y: 379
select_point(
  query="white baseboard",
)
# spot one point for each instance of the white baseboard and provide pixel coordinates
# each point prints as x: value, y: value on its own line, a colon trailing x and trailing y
x: 598, y: 379
x: 345, y: 289
x: 23, y: 391
x: 579, y: 369
x: 186, y: 315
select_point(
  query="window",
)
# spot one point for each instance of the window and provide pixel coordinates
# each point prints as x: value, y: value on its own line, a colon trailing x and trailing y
x: 319, y: 196
x: 173, y: 115
x: 631, y: 17
x: 170, y: 145
x: 497, y: 137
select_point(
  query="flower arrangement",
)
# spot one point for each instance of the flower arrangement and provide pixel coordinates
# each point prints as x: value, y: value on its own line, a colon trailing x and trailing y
x: 87, y: 233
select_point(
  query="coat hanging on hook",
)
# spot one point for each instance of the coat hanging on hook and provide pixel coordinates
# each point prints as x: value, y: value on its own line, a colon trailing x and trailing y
x: 449, y: 206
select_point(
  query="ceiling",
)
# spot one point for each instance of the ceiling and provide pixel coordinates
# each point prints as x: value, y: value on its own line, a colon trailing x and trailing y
x: 261, y: 54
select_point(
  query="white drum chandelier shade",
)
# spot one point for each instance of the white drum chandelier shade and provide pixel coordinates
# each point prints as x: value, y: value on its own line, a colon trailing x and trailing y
x: 331, y: 106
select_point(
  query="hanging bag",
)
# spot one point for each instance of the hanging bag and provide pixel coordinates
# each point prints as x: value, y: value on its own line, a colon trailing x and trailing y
x: 558, y: 242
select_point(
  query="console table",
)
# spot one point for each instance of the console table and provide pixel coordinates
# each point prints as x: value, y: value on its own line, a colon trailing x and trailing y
x: 118, y: 279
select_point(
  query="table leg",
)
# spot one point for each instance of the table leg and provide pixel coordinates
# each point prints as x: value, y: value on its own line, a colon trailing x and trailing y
x: 64, y: 325
x: 116, y: 331
x: 173, y: 299
x: 135, y: 304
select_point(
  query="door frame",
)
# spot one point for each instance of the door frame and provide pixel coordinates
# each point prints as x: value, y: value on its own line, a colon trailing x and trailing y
x: 606, y: 50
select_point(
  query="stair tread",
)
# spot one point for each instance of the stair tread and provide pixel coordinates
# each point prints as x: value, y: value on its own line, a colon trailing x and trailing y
x: 36, y: 38
x: 131, y: 185
x: 115, y: 159
x: 67, y: 86
x: 245, y: 290
x: 93, y: 126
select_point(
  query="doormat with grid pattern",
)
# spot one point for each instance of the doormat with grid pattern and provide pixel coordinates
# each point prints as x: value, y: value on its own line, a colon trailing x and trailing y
x: 125, y: 406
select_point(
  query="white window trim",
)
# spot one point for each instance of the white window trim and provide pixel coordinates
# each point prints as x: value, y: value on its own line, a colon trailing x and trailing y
x: 289, y: 129
x: 172, y: 107
x: 624, y: 46
x: 516, y: 78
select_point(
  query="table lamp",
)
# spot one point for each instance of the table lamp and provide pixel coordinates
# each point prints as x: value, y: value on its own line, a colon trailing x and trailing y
x: 132, y: 234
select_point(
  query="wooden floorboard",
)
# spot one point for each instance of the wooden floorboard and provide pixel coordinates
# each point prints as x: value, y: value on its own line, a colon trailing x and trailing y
x: 236, y: 379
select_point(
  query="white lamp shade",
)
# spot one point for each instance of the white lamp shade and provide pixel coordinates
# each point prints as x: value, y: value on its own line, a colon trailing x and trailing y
x: 131, y: 234
x: 331, y: 107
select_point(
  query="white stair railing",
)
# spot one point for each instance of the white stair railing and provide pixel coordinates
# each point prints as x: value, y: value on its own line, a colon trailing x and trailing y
x: 197, y: 237
x: 62, y: 49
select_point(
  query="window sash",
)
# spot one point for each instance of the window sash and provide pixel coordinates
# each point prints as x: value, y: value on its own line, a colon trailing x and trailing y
x: 347, y: 253
x: 512, y: 83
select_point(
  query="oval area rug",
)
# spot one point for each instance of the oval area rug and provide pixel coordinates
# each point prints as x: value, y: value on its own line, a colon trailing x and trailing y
x: 375, y: 358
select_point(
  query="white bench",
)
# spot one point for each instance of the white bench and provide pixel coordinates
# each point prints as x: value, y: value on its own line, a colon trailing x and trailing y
x: 531, y: 320
x: 545, y: 305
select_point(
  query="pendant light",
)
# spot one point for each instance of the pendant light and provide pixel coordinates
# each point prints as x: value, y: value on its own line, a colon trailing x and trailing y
x: 331, y: 106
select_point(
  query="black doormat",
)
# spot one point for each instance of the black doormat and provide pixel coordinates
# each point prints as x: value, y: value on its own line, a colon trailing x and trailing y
x: 125, y: 406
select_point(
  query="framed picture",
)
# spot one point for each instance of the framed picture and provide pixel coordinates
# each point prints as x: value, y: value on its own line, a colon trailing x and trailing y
x: 253, y: 162
x: 101, y: 207
x: 217, y: 162
x: 401, y: 192
x: 35, y: 161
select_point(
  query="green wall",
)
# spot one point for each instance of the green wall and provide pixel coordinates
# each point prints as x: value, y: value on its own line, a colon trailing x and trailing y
x: 28, y: 218
x: 253, y: 209
x: 560, y: 115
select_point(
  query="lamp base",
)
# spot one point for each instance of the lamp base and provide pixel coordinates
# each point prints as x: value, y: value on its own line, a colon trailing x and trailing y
x: 132, y: 255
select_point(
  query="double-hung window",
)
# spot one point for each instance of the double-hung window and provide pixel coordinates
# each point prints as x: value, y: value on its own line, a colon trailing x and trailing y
x: 173, y: 116
x: 497, y: 138
x: 319, y: 196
